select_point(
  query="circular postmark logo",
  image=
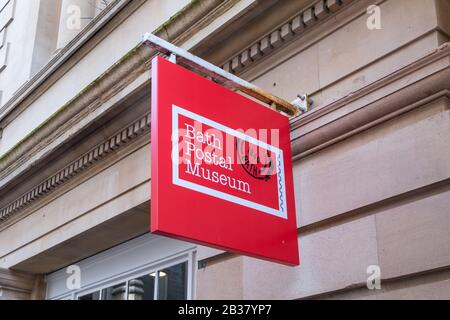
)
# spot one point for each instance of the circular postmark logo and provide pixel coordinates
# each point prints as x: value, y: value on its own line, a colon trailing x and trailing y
x: 259, y: 163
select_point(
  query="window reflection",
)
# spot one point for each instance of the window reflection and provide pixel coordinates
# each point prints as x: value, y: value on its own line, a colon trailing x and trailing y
x: 91, y: 296
x: 142, y: 288
x: 116, y: 292
x: 168, y: 284
x: 172, y: 283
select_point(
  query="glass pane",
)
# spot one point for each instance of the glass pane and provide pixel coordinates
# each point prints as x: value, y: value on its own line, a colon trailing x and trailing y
x: 172, y: 283
x: 116, y: 292
x: 142, y: 288
x: 90, y: 296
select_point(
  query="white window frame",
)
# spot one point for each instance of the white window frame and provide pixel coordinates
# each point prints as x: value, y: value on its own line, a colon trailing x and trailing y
x: 187, y: 257
x: 143, y: 255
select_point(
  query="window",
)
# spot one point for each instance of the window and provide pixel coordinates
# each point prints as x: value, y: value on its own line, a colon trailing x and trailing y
x: 172, y: 283
x: 169, y: 283
x: 148, y: 267
x: 91, y: 296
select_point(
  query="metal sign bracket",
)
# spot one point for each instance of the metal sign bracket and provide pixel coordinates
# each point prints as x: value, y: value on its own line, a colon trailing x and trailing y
x: 227, y: 79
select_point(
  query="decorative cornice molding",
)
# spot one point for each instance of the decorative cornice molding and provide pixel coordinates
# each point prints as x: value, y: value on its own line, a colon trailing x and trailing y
x: 428, y: 80
x: 62, y: 56
x: 129, y: 68
x: 439, y: 53
x: 87, y: 101
x: 142, y: 126
x: 100, y: 151
x: 134, y: 64
x: 290, y: 30
x: 199, y: 13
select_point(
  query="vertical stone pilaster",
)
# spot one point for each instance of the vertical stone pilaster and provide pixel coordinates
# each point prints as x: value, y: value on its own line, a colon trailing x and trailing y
x: 21, y: 286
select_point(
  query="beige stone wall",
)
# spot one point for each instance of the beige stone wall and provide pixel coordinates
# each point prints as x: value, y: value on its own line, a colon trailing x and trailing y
x: 223, y: 279
x: 378, y: 197
x: 21, y: 286
x: 345, y: 58
x: 371, y: 165
x: 102, y: 197
x: 405, y: 236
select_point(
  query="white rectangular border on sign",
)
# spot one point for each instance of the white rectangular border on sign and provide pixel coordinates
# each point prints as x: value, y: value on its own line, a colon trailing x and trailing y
x: 282, y: 208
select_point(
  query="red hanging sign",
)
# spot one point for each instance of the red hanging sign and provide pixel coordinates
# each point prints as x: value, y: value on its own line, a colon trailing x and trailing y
x: 221, y: 168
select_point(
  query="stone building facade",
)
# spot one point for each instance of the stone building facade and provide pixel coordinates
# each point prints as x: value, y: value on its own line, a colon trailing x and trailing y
x: 371, y: 157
